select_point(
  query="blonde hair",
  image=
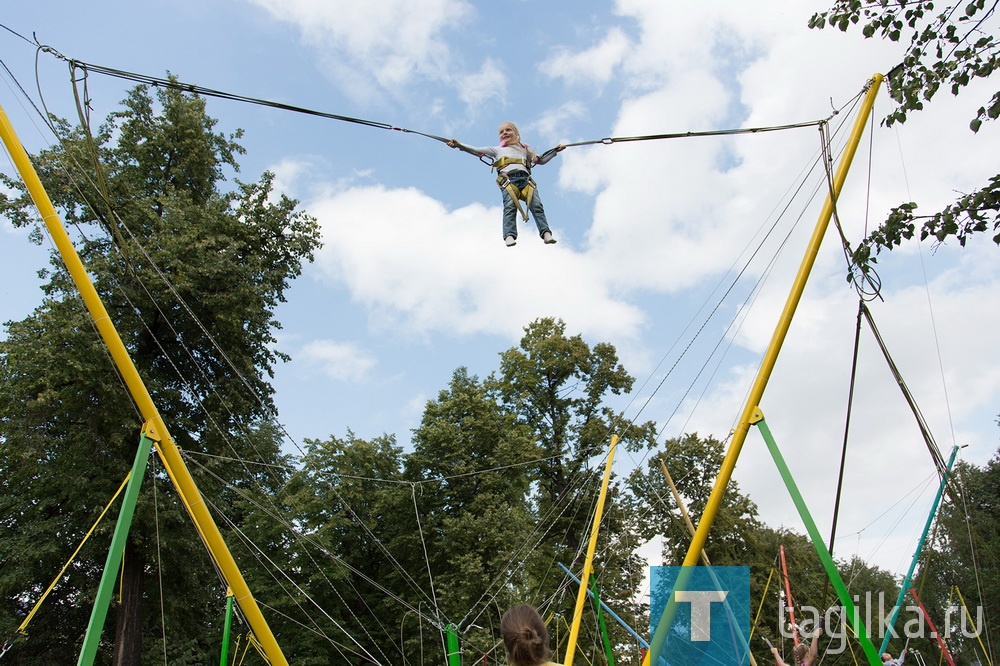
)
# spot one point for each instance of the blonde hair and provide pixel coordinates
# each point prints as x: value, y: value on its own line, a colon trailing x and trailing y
x: 531, y: 153
x: 799, y: 653
x: 513, y: 126
x: 524, y: 636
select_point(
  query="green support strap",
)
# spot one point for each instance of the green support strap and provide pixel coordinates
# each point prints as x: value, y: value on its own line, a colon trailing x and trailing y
x: 99, y: 614
x: 600, y: 622
x: 226, y: 628
x: 454, y: 653
x: 850, y: 611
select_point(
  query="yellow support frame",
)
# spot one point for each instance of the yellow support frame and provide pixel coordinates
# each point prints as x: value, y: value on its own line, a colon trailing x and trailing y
x: 770, y: 357
x: 157, y: 429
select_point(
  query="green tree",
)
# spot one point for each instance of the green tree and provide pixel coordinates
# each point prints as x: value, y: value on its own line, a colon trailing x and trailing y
x: 693, y: 463
x: 557, y: 386
x: 471, y: 469
x: 191, y: 274
x: 349, y: 506
x: 964, y: 557
x: 946, y: 48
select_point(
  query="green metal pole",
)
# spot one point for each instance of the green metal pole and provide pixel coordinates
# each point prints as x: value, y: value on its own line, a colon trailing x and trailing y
x: 170, y: 455
x: 764, y: 372
x: 600, y: 622
x: 99, y: 614
x: 454, y: 654
x: 916, y: 554
x: 227, y: 627
x: 851, y: 612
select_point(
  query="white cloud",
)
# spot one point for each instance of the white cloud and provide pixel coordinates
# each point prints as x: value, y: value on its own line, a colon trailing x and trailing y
x: 489, y: 83
x: 382, y: 48
x: 422, y: 268
x: 288, y: 175
x: 551, y: 123
x: 593, y: 66
x: 342, y: 361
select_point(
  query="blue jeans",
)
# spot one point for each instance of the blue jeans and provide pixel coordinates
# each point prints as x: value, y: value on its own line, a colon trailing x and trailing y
x: 510, y: 209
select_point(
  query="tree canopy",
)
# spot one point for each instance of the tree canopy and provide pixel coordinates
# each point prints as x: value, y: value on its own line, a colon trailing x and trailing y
x: 190, y: 271
x: 947, y: 47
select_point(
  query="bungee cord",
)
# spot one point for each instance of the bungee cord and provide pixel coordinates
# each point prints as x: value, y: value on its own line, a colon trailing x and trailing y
x: 607, y: 141
x: 171, y: 82
x: 262, y: 556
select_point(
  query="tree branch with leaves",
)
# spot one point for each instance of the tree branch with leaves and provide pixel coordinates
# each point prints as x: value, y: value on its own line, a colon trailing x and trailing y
x: 947, y: 49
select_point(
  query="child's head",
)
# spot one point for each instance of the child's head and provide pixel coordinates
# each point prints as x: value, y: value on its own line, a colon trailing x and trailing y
x: 508, y: 134
x: 799, y: 653
x: 524, y: 636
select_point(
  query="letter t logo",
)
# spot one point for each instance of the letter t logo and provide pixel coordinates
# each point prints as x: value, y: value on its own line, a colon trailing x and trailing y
x: 701, y: 610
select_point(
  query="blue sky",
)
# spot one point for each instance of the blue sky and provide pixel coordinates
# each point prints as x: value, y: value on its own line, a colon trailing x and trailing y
x: 415, y: 281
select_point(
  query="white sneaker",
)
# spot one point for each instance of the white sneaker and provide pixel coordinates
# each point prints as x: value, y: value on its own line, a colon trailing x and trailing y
x: 547, y: 237
x: 510, y: 241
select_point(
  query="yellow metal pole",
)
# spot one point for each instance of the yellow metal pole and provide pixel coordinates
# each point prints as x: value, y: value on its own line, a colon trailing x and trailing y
x: 784, y: 322
x: 683, y: 508
x: 979, y: 634
x: 781, y: 330
x: 704, y: 555
x: 588, y: 564
x: 157, y: 431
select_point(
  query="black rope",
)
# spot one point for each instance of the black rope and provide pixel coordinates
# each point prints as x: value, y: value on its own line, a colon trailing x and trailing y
x: 176, y: 84
x: 843, y: 450
x: 220, y: 94
x: 925, y: 430
x: 607, y: 141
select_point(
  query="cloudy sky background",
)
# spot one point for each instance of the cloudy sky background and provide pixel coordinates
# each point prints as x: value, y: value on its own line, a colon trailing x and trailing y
x: 414, y: 280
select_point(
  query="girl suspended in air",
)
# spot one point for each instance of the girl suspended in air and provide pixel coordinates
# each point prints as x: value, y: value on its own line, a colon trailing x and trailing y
x: 513, y: 161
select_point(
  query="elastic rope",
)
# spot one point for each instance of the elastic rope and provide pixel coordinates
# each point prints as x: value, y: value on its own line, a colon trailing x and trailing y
x: 209, y: 92
x: 607, y: 141
x: 55, y: 581
x: 843, y: 451
x: 925, y: 431
x: 760, y: 607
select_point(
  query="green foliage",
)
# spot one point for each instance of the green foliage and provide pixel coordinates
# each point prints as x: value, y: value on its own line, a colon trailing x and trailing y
x: 190, y: 274
x: 945, y: 49
x: 964, y: 560
x: 474, y: 465
x: 556, y: 386
x: 343, y: 513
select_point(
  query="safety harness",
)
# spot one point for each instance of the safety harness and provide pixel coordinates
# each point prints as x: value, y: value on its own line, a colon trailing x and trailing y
x: 515, y: 192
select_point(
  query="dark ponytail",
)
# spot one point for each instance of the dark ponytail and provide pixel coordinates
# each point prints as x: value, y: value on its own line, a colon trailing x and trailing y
x: 524, y: 636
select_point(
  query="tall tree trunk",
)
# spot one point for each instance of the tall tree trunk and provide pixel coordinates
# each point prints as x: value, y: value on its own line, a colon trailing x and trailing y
x: 128, y: 629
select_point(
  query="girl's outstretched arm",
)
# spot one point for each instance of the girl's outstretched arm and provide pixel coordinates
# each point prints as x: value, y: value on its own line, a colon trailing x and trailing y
x: 545, y: 157
x: 472, y: 150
